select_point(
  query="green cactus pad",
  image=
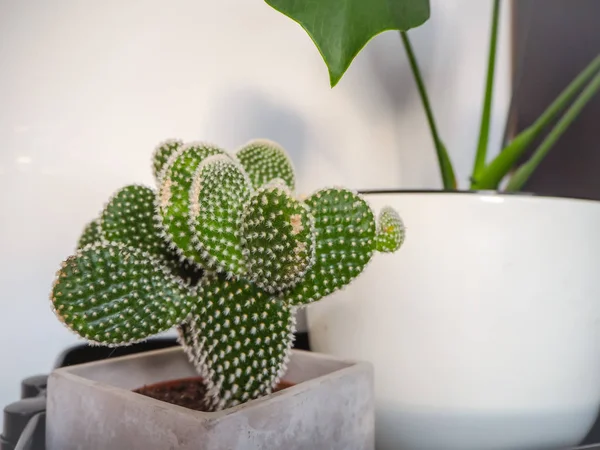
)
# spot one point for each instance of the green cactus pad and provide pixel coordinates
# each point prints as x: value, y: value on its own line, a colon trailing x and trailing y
x: 219, y: 191
x: 390, y: 230
x: 128, y: 218
x: 112, y: 294
x: 91, y: 234
x: 264, y: 161
x: 240, y: 340
x: 173, y: 199
x: 161, y: 155
x: 278, y: 238
x: 345, y: 244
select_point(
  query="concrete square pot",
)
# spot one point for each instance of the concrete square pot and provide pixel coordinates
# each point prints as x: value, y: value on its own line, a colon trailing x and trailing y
x: 92, y: 405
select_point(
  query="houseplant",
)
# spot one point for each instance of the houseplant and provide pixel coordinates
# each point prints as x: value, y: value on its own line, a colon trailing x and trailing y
x: 494, y: 324
x: 223, y: 250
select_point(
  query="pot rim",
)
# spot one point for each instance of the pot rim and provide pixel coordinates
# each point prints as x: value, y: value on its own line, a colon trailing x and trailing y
x: 472, y: 192
x: 76, y: 374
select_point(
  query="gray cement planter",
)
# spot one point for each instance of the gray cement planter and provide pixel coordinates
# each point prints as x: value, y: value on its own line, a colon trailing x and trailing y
x: 91, y: 406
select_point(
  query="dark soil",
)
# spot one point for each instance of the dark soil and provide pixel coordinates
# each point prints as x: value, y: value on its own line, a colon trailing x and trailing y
x: 187, y: 392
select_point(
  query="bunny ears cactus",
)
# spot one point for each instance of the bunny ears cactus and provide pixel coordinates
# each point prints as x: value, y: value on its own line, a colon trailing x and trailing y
x: 224, y: 250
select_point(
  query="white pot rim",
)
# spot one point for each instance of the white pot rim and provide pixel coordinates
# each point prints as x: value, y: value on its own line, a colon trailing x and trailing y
x: 490, y: 193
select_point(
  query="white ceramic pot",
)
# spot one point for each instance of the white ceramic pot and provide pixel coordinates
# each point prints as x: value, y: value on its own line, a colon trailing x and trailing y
x: 484, y: 329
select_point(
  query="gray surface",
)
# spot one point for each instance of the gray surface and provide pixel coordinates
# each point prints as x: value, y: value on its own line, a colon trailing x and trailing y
x: 91, y: 406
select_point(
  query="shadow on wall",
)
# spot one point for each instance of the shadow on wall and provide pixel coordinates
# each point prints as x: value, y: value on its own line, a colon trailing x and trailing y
x: 457, y: 32
x: 246, y: 113
x: 388, y: 65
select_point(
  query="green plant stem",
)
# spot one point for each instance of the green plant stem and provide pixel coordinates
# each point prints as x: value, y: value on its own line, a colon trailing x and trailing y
x: 446, y: 169
x: 493, y: 174
x: 484, y: 130
x: 521, y: 176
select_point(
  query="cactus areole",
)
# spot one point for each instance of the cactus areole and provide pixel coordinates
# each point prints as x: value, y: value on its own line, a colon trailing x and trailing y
x: 222, y: 249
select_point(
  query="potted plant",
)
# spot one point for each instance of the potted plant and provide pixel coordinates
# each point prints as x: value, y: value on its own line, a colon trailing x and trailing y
x: 224, y: 250
x: 484, y: 334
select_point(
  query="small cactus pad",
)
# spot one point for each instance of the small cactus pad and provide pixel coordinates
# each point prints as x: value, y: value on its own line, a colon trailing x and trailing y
x: 162, y: 153
x: 112, y: 294
x: 91, y: 234
x: 390, y: 230
x: 241, y: 340
x: 278, y: 238
x: 264, y: 160
x: 129, y: 218
x: 174, y: 196
x: 345, y: 243
x: 219, y: 191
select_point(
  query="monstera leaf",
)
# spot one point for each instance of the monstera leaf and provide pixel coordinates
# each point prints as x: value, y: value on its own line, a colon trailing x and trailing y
x: 341, y: 28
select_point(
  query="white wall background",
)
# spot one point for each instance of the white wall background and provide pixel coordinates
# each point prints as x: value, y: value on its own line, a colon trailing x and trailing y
x: 88, y: 88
